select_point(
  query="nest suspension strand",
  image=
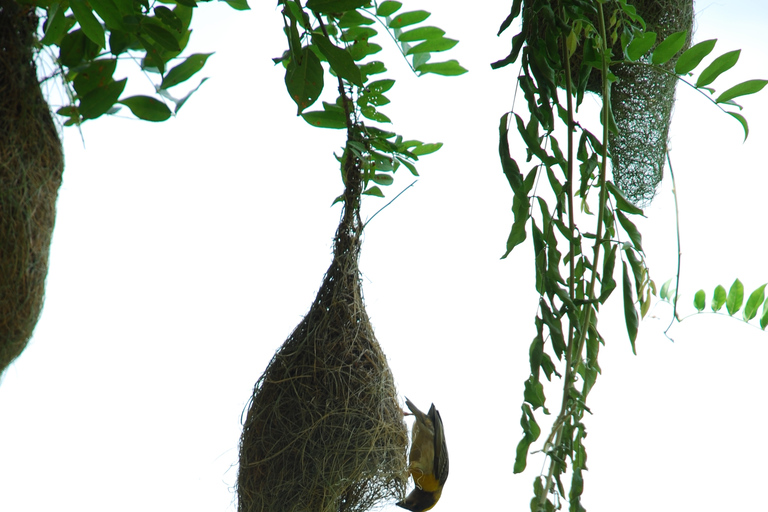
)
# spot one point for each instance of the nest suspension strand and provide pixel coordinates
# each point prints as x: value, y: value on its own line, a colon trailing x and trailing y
x: 31, y: 166
x: 324, y: 430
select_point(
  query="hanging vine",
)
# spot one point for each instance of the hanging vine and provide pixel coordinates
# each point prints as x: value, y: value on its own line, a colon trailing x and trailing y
x: 580, y: 221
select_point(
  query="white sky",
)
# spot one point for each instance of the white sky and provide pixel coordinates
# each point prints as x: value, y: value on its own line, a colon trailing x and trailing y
x: 186, y: 252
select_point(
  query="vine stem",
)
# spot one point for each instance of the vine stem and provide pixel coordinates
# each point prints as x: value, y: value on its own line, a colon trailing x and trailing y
x: 679, y: 249
x: 575, y: 346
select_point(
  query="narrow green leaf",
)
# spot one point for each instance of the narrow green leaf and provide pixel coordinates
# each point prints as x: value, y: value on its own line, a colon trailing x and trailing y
x: 754, y: 302
x: 388, y: 8
x: 161, y: 36
x: 168, y: 17
x: 743, y: 121
x: 354, y: 19
x: 358, y: 34
x: 607, y: 282
x: 339, y: 59
x: 700, y: 300
x: 411, y: 168
x: 534, y: 393
x: 735, y: 297
x: 448, y: 68
x: 361, y: 49
x: 630, y: 313
x: 742, y: 89
x: 304, y: 79
x: 88, y: 22
x: 147, y: 108
x: 421, y: 34
x: 718, y: 66
x: 693, y: 56
x: 669, y: 47
x: 332, y: 6
x: 425, y: 149
x: 408, y: 18
x: 640, y: 45
x: 622, y: 203
x: 514, y: 12
x: 185, y: 70
x: 433, y: 45
x: 374, y: 115
x: 631, y: 229
x: 326, y: 119
x: 531, y: 432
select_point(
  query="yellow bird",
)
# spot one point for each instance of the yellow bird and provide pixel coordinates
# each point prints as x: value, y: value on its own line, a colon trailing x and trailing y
x: 428, y: 464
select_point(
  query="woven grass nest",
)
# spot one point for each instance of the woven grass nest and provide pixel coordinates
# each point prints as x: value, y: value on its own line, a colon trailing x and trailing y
x: 642, y: 99
x: 324, y: 430
x: 31, y: 165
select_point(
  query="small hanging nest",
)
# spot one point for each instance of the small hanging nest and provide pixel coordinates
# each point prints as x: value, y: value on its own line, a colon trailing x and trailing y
x: 641, y: 99
x: 31, y: 166
x: 324, y: 430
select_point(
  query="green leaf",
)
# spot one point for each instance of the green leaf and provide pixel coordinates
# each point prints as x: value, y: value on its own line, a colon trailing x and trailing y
x: 334, y: 6
x: 742, y: 89
x: 372, y: 114
x: 764, y: 320
x: 238, y: 5
x: 718, y: 298
x: 531, y: 432
x: 162, y: 36
x: 388, y: 8
x: 56, y: 25
x: 693, y: 56
x: 354, y: 19
x: 448, y: 68
x: 754, y: 302
x: 379, y: 86
x: 339, y: 59
x: 88, y: 22
x: 183, y: 100
x: 185, y: 70
x: 408, y: 18
x: 622, y: 203
x: 664, y: 293
x: 641, y: 43
x: 75, y: 47
x: 100, y: 100
x: 630, y: 313
x: 304, y: 79
x: 743, y: 120
x: 326, y: 119
x: 669, y: 47
x: 421, y: 34
x: 357, y: 34
x: 408, y: 165
x: 433, y: 45
x: 97, y: 74
x: 425, y: 149
x: 383, y: 179
x: 735, y: 297
x: 718, y: 66
x: 147, y: 108
x: 631, y: 229
x: 374, y: 191
x: 700, y: 300
x: 361, y: 49
x: 168, y: 17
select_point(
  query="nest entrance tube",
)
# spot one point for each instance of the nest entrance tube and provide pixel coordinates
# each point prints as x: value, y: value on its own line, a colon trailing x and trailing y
x: 324, y: 430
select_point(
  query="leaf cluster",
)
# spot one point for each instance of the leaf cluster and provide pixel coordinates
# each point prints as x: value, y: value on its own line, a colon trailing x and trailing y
x: 89, y: 38
x: 756, y: 306
x: 343, y: 35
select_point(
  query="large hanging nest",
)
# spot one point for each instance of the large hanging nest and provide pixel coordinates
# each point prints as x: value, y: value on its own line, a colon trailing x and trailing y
x: 641, y: 99
x: 324, y: 431
x: 31, y: 165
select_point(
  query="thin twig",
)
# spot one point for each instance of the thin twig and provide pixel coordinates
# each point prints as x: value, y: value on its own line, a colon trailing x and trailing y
x: 679, y: 250
x: 389, y: 203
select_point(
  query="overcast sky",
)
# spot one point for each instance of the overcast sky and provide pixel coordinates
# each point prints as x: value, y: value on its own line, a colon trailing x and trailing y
x: 185, y: 253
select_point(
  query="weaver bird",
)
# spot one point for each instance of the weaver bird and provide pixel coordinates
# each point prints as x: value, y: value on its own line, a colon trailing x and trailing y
x: 428, y: 460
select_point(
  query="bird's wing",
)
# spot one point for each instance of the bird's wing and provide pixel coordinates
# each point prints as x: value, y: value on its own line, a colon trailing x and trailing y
x: 441, y: 449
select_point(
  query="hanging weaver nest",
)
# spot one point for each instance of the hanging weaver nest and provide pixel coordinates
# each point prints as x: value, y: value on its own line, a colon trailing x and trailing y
x: 324, y: 431
x: 31, y: 165
x: 641, y: 99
